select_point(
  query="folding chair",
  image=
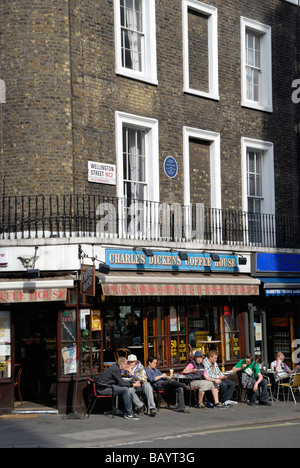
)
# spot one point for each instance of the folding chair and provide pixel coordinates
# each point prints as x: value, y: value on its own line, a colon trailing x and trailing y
x: 158, y: 395
x: 293, y: 384
x: 95, y: 394
x: 271, y: 397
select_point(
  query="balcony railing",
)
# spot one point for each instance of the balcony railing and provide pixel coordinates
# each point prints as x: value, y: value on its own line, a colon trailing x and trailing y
x: 27, y: 217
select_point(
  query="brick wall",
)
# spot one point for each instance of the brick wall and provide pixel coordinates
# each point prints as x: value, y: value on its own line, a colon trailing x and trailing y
x: 42, y: 151
x: 37, y: 124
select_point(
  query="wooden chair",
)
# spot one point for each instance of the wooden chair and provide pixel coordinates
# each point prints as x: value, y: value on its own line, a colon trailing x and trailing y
x: 121, y: 352
x: 17, y: 382
x: 95, y: 394
x: 191, y: 352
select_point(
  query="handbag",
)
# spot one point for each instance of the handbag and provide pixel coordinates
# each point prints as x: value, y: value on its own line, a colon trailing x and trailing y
x: 247, y: 381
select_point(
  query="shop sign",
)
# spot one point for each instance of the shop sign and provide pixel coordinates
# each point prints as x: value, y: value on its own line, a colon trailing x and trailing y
x: 88, y: 280
x: 271, y: 263
x: 178, y: 290
x: 100, y: 173
x: 36, y: 295
x: 170, y: 261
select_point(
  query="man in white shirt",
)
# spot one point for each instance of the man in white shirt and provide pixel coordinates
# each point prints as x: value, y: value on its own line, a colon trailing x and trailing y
x: 280, y: 367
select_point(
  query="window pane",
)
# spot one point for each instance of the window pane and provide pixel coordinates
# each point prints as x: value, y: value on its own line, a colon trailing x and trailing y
x: 132, y: 34
x: 5, y: 345
x: 90, y: 344
x: 134, y: 164
x: 251, y: 163
x: 253, y: 64
x: 68, y: 338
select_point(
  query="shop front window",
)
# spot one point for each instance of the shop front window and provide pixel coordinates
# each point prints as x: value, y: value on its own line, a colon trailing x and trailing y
x: 123, y: 329
x: 5, y: 345
x: 157, y: 334
x: 178, y: 329
x: 91, y: 338
x: 204, y: 328
x: 68, y: 342
x: 232, y: 334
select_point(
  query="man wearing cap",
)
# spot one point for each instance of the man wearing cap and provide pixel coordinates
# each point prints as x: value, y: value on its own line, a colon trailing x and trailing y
x: 196, y: 372
x: 137, y: 372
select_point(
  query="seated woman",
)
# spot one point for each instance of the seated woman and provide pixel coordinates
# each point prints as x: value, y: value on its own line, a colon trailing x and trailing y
x: 195, y: 370
x: 160, y: 381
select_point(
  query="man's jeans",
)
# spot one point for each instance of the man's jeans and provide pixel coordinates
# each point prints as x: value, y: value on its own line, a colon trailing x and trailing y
x: 227, y: 388
x: 124, y: 393
x: 264, y: 392
x: 173, y: 385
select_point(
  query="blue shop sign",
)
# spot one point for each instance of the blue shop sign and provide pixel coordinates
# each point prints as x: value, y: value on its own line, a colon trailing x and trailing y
x: 277, y: 263
x: 169, y: 261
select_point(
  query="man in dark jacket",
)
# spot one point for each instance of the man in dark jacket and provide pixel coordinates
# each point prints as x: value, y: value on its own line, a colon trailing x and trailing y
x: 113, y: 377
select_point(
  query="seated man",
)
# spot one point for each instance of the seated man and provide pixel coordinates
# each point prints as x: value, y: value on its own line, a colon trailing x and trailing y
x: 279, y: 366
x: 196, y: 371
x: 252, y: 379
x: 137, y: 371
x: 161, y: 381
x: 213, y: 374
x: 112, y: 376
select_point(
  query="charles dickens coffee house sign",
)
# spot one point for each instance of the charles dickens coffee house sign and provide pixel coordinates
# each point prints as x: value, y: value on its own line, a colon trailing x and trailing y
x: 170, y: 261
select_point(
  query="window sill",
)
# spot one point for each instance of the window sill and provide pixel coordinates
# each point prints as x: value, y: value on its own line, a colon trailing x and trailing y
x: 137, y: 77
x: 195, y: 92
x: 256, y: 106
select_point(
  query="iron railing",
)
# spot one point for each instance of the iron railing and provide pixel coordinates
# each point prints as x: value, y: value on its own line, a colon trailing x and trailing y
x: 46, y: 216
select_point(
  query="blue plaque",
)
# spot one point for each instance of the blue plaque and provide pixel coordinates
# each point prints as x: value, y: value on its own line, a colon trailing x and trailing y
x: 171, y: 167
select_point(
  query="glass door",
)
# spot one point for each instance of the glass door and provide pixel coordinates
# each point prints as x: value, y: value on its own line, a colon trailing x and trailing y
x: 178, y: 335
x: 155, y: 334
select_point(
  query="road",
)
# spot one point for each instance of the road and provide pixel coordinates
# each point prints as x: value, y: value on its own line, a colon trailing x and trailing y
x: 279, y: 435
x: 237, y: 427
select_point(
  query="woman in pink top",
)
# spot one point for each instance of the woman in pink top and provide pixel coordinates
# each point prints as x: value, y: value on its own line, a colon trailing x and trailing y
x: 201, y: 381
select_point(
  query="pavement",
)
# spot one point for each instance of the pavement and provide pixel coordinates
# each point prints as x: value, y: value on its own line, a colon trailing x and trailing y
x: 103, y: 431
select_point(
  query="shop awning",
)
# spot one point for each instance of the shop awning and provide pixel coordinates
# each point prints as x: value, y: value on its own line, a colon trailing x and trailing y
x: 281, y: 286
x: 21, y: 290
x: 177, y: 284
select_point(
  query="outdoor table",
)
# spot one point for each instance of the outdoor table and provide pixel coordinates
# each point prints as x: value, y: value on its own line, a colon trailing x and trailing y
x: 233, y: 376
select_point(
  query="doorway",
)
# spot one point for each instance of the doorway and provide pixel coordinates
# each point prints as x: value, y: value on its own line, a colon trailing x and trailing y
x: 36, y: 355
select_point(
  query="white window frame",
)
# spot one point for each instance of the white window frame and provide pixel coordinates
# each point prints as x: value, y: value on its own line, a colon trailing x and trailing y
x: 268, y: 182
x: 149, y: 73
x: 294, y: 2
x: 151, y: 148
x: 212, y: 14
x: 2, y: 92
x: 265, y: 102
x: 215, y: 164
